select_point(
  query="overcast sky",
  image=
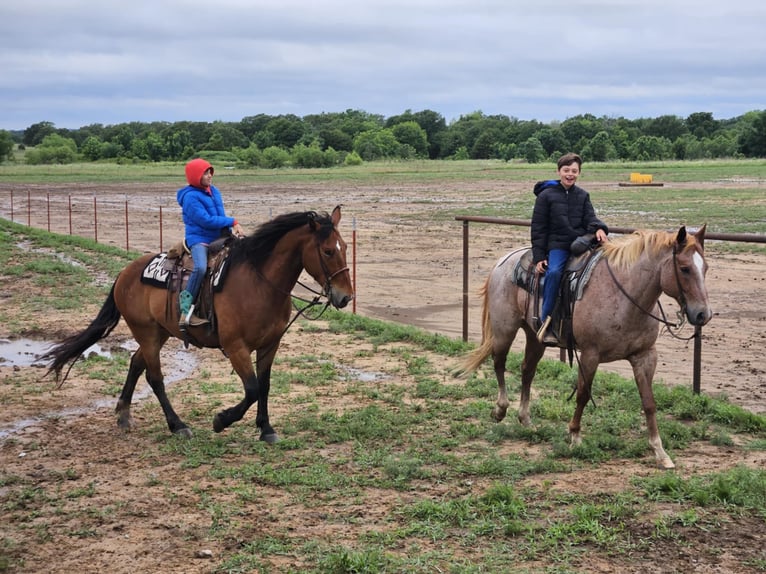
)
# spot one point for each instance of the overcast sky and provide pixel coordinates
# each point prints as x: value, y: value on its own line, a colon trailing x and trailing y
x: 80, y: 62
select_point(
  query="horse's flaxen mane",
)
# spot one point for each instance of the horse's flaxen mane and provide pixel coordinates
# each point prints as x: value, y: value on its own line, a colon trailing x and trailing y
x: 256, y: 248
x: 625, y: 251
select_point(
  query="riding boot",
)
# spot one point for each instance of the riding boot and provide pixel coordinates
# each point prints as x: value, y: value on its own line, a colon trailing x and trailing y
x: 186, y: 314
x: 185, y: 304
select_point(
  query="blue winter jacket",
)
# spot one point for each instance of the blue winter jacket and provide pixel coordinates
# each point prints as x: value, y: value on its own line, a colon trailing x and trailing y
x: 203, y: 214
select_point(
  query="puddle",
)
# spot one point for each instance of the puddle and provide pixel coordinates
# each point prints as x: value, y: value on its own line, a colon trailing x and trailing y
x: 26, y: 352
x: 177, y: 361
x: 364, y: 376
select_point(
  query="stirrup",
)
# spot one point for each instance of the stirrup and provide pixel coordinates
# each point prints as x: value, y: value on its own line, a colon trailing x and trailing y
x: 543, y: 328
x: 191, y: 320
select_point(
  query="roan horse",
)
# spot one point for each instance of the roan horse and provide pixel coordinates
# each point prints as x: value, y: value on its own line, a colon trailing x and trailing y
x: 252, y: 311
x: 615, y: 318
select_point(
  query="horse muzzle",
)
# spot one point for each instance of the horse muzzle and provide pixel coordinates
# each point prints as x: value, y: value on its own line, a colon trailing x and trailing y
x: 339, y: 300
x: 699, y: 315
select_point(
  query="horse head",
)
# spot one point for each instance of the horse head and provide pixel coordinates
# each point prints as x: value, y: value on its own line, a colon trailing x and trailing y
x: 325, y: 259
x: 684, y: 278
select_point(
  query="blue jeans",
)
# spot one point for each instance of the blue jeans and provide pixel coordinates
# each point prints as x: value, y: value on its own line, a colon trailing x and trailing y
x: 557, y: 261
x: 199, y: 255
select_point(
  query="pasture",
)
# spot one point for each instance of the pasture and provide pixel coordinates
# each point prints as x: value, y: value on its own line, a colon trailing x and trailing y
x: 388, y: 463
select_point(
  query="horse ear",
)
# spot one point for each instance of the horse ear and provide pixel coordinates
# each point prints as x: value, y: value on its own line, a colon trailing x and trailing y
x: 312, y: 220
x: 681, y: 237
x: 700, y: 236
x: 336, y: 215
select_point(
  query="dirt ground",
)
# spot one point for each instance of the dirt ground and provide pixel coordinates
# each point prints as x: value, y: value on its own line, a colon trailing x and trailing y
x: 408, y: 268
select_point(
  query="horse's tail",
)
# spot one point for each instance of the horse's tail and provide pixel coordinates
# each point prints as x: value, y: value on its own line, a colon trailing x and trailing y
x: 474, y: 359
x: 70, y: 349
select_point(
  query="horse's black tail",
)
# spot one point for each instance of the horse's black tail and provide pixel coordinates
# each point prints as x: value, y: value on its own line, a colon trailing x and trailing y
x: 71, y: 348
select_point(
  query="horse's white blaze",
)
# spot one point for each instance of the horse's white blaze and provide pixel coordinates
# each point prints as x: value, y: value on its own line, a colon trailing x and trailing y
x: 699, y: 262
x: 337, y: 245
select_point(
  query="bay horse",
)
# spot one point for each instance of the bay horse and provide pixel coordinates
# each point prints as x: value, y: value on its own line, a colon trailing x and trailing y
x: 614, y: 319
x: 252, y: 311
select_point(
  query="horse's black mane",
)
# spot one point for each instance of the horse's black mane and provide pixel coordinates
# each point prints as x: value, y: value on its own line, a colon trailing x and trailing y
x: 256, y: 248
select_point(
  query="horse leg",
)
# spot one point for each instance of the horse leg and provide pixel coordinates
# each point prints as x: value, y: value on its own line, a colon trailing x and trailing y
x: 644, y: 365
x: 156, y: 381
x: 136, y: 368
x: 268, y: 434
x: 499, y: 357
x: 256, y: 389
x: 533, y: 352
x: 587, y: 365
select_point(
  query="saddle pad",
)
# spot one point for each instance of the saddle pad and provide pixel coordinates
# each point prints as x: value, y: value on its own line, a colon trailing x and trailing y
x: 156, y: 273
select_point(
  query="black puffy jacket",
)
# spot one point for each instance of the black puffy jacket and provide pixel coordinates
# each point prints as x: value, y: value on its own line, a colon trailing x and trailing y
x: 560, y: 217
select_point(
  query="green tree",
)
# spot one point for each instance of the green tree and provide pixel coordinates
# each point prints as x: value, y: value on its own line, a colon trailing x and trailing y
x: 6, y: 145
x: 376, y: 144
x: 274, y: 157
x: 668, y: 127
x: 410, y: 133
x: 286, y: 130
x: 532, y: 150
x: 35, y: 133
x: 91, y: 148
x: 647, y: 148
x: 53, y: 149
x: 600, y: 148
x: 701, y: 125
x: 752, y: 137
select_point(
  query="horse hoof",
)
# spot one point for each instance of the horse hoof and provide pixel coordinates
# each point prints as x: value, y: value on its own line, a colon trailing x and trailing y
x: 125, y: 425
x: 270, y: 438
x: 184, y: 433
x: 498, y: 414
x: 666, y: 464
x: 218, y: 426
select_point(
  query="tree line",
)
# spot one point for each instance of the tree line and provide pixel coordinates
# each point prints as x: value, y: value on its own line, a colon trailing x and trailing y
x: 355, y: 136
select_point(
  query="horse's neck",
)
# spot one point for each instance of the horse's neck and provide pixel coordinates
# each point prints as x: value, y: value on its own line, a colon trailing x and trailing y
x: 642, y: 280
x: 284, y: 267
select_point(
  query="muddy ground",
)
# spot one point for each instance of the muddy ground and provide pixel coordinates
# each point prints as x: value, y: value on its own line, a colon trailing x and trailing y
x: 408, y: 269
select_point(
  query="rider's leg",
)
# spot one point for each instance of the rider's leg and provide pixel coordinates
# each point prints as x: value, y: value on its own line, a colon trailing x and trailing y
x: 557, y: 260
x: 187, y: 297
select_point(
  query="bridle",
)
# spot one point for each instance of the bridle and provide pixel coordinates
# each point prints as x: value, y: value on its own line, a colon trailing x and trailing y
x: 663, y: 318
x: 327, y: 287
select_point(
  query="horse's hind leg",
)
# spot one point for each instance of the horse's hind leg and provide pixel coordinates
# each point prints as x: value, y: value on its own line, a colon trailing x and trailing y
x: 499, y: 356
x: 644, y: 366
x: 136, y: 368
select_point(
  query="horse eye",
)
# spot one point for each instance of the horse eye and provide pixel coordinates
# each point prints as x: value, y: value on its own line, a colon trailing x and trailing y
x: 685, y: 270
x: 329, y: 252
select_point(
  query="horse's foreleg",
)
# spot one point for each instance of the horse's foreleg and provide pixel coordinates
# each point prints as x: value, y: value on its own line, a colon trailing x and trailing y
x: 644, y: 366
x: 256, y: 390
x: 533, y: 352
x: 587, y: 365
x: 135, y: 370
x: 268, y: 434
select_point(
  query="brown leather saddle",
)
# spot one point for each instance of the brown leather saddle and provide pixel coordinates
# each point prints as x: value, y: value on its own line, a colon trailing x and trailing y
x: 179, y: 264
x: 576, y: 275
